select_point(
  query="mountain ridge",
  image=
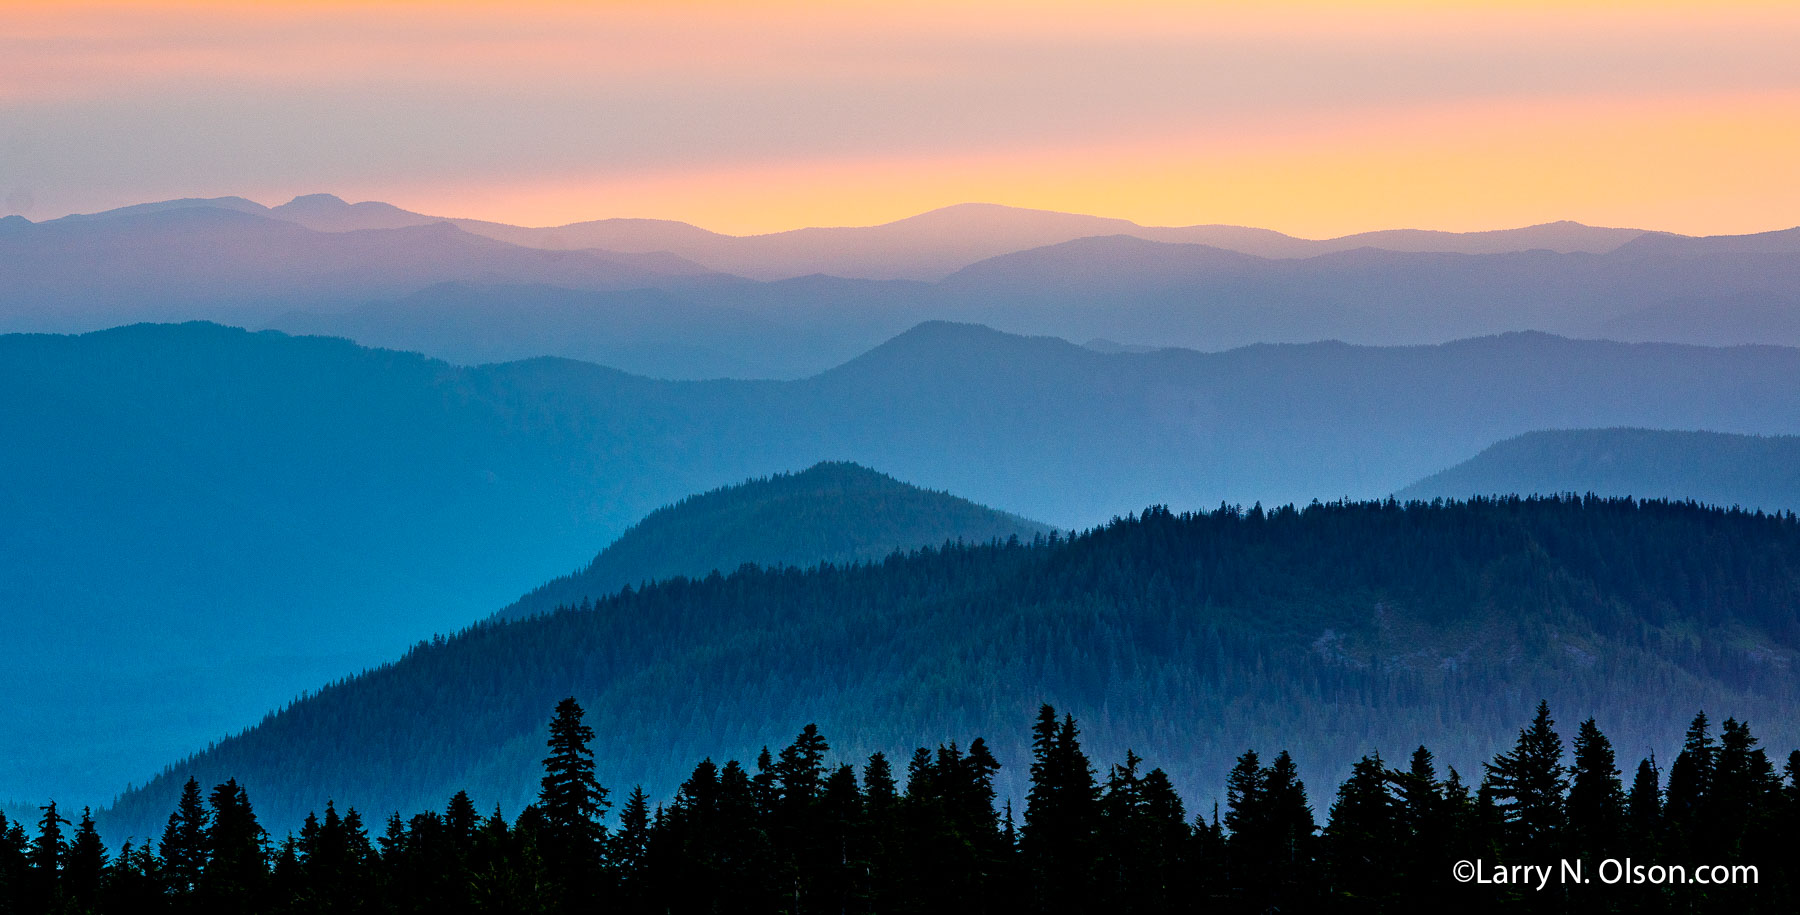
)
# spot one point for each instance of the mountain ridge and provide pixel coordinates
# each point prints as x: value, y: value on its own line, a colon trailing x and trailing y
x: 832, y: 512
x: 358, y: 498
x: 942, y: 235
x: 1747, y: 471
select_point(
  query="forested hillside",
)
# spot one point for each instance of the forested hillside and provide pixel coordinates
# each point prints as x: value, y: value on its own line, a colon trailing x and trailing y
x: 833, y: 512
x: 200, y: 521
x: 1750, y: 471
x: 1338, y: 629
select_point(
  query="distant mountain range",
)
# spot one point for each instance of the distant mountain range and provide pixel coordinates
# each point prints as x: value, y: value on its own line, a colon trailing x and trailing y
x: 928, y: 246
x: 833, y: 512
x: 201, y: 522
x: 1748, y: 471
x: 1331, y: 632
x: 667, y: 300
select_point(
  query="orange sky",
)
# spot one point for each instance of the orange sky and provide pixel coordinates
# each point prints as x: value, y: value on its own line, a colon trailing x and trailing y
x: 1313, y: 118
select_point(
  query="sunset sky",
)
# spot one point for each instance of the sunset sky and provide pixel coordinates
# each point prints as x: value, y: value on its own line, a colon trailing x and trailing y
x: 1312, y: 118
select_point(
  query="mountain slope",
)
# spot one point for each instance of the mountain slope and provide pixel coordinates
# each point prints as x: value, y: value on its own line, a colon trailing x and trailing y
x: 1334, y: 631
x: 1753, y: 472
x: 199, y: 521
x: 831, y: 512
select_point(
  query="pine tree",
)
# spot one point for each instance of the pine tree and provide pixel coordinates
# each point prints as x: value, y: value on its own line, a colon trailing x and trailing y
x: 1527, y: 787
x: 49, y: 852
x: 15, y: 865
x: 462, y: 822
x: 800, y: 771
x: 1686, y: 810
x: 237, y: 851
x: 1425, y: 816
x: 1744, y: 788
x: 1596, y: 803
x: 1644, y: 810
x: 1291, y: 829
x: 183, y: 847
x: 571, y: 799
x: 86, y: 862
x: 1061, y: 813
x: 632, y: 842
x: 1246, y: 809
x: 1362, y: 832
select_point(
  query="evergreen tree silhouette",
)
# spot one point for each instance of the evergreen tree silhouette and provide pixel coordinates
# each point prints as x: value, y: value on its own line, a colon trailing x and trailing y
x: 1686, y: 800
x: 1644, y: 810
x: 628, y: 851
x: 1744, y: 787
x: 49, y: 852
x: 1527, y: 786
x: 15, y: 864
x: 1362, y: 828
x: 570, y: 798
x: 1061, y: 813
x: 86, y: 862
x: 237, y: 851
x: 1596, y: 801
x: 183, y: 847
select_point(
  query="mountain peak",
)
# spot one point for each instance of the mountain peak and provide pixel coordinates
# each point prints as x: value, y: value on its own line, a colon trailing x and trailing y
x: 831, y: 512
x: 315, y: 201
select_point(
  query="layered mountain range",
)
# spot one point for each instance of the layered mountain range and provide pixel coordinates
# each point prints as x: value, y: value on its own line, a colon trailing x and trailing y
x: 669, y: 300
x: 201, y: 522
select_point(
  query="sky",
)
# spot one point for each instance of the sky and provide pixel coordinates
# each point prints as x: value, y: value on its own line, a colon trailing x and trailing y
x: 1313, y: 118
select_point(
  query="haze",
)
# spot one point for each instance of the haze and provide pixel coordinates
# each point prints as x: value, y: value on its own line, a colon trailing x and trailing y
x: 1311, y: 118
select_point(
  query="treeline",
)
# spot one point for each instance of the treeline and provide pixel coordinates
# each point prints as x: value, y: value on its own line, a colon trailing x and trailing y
x: 792, y: 833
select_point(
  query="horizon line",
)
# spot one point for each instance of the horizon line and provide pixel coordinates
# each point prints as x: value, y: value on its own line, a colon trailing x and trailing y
x: 199, y: 201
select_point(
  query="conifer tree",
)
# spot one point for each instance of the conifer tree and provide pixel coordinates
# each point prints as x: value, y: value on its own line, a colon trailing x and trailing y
x: 1685, y: 801
x: 461, y: 822
x: 1426, y: 819
x: 49, y: 853
x: 1061, y: 813
x: 632, y: 842
x: 1527, y: 786
x: 86, y: 862
x: 1744, y: 784
x: 571, y: 799
x: 1246, y: 808
x: 183, y: 847
x: 1596, y: 802
x: 1644, y: 809
x: 15, y: 864
x: 237, y: 850
x: 1361, y: 830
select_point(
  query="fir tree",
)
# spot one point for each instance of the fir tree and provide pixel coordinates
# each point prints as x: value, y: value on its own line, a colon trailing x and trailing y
x: 1596, y: 802
x: 237, y: 850
x: 571, y: 799
x: 632, y: 842
x: 49, y: 852
x: 1061, y: 813
x: 1363, y: 828
x: 86, y: 862
x: 183, y: 847
x: 1644, y: 809
x: 1685, y: 801
x: 1527, y: 785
